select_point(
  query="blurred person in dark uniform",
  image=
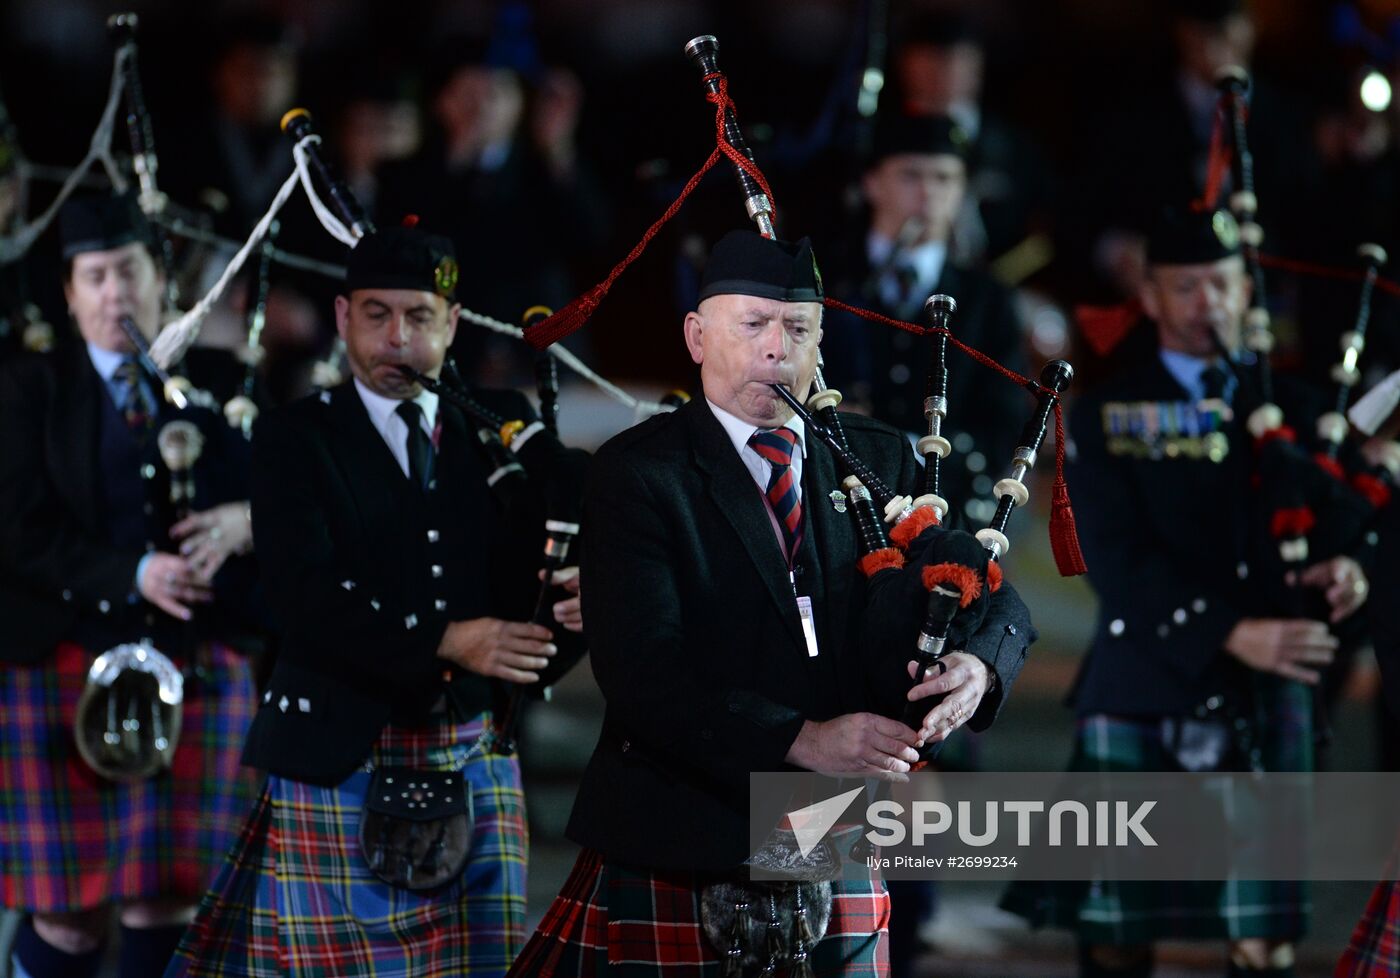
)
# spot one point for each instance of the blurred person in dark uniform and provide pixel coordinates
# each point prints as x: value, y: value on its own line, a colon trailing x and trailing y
x: 231, y: 164
x: 1152, y: 144
x: 914, y: 185
x: 1192, y: 667
x: 94, y: 555
x: 500, y: 174
x: 937, y: 70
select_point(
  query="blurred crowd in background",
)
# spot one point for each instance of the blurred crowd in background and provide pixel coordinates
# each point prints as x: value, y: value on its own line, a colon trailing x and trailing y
x: 544, y: 137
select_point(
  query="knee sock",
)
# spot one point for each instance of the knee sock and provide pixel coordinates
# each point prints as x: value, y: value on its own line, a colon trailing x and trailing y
x: 35, y: 957
x: 146, y: 951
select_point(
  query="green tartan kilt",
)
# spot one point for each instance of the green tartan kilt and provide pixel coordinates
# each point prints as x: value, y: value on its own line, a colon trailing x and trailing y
x: 1139, y: 912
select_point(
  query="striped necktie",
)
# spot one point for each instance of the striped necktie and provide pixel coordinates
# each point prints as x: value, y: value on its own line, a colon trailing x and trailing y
x: 776, y: 445
x: 131, y: 402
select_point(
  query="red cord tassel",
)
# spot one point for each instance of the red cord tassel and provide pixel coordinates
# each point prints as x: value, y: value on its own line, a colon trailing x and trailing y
x: 1064, y: 536
x: 567, y: 320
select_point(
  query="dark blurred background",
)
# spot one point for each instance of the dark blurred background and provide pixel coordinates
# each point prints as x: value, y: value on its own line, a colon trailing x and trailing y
x: 546, y: 137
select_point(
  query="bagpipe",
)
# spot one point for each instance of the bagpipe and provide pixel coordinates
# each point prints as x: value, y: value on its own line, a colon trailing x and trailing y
x: 915, y: 544
x: 1314, y: 495
x: 873, y: 503
x: 520, y: 453
x: 127, y: 721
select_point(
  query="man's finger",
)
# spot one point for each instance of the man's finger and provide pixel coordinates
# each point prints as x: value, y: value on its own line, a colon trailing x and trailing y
x: 526, y: 629
x: 1321, y: 575
x: 566, y: 577
x: 526, y: 646
x: 887, y: 763
x: 519, y: 660
x: 171, y: 607
x: 1320, y: 656
x: 895, y: 748
x: 514, y: 675
x: 1289, y: 671
x: 186, y: 526
x: 894, y: 730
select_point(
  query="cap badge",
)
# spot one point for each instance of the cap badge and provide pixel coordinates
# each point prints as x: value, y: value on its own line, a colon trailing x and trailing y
x: 445, y: 275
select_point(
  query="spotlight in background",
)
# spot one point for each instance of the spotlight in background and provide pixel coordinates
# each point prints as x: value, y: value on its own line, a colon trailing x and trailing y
x: 1375, y: 91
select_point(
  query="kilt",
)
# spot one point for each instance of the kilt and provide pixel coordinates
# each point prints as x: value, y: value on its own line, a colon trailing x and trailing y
x: 1374, y: 951
x: 296, y: 897
x: 627, y: 923
x: 71, y: 840
x: 1125, y: 913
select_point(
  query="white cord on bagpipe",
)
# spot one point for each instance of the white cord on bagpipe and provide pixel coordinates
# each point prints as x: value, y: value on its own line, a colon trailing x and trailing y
x: 640, y: 407
x: 14, y: 247
x: 329, y: 221
x: 179, y: 335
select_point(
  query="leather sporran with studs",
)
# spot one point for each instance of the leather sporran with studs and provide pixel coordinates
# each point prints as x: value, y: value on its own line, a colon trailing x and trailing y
x: 761, y: 927
x: 416, y: 827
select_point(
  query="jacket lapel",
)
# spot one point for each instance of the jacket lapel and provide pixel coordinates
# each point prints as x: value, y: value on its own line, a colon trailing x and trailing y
x: 375, y: 481
x: 736, y: 496
x: 833, y: 535
x: 73, y: 437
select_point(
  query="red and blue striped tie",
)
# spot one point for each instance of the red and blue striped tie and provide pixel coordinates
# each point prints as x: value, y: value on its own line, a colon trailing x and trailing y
x: 776, y: 445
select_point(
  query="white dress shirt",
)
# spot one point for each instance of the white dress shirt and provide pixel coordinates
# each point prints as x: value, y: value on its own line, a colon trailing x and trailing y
x: 383, y: 414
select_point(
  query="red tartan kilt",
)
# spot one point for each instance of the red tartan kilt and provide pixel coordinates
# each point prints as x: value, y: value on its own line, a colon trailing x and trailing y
x: 611, y: 920
x: 70, y: 839
x: 1374, y: 951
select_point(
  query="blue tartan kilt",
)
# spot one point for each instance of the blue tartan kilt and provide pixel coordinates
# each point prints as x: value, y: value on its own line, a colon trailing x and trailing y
x: 71, y: 840
x: 297, y: 898
x: 1125, y: 913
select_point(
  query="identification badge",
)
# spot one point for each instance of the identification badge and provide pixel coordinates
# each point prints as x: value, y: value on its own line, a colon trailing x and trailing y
x: 809, y: 625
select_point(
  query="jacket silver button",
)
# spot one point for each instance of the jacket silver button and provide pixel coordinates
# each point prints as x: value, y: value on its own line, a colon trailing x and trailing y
x: 1116, y: 627
x: 433, y: 536
x: 437, y: 570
